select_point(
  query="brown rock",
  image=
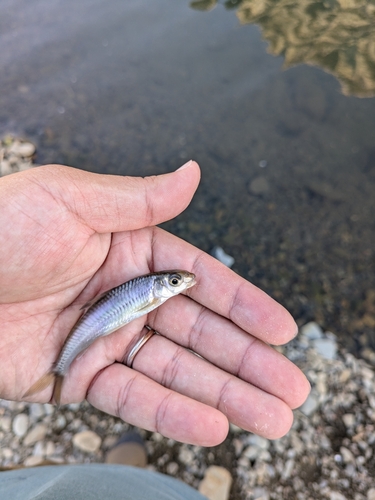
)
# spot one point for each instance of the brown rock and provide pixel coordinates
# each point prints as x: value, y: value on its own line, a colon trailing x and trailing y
x: 216, y: 483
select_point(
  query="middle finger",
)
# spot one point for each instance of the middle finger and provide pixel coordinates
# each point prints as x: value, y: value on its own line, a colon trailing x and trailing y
x: 228, y: 347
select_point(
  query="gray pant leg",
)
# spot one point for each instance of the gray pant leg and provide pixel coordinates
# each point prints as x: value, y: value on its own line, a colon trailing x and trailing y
x: 92, y: 482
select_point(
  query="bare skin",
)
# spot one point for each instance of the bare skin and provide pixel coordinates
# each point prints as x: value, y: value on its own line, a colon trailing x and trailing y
x: 67, y: 236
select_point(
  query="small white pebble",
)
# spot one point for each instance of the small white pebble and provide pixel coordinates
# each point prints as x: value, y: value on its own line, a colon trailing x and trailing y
x: 20, y: 424
x: 172, y: 468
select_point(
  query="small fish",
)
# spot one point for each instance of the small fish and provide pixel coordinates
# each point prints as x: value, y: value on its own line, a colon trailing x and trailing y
x: 111, y: 311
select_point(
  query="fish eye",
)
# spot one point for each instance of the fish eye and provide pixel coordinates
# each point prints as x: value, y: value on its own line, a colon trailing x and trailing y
x: 175, y: 279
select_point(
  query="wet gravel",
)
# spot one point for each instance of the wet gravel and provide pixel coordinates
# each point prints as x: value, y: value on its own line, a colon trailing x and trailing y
x: 328, y: 454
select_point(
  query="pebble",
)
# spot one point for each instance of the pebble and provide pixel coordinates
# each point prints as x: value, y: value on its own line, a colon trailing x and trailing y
x: 59, y: 423
x: 310, y: 405
x: 7, y: 453
x: 20, y: 424
x: 5, y: 168
x: 5, y: 423
x: 36, y: 411
x: 288, y: 469
x: 347, y: 455
x: 251, y: 452
x: 312, y: 331
x: 216, y: 483
x: 87, y: 441
x: 260, y: 494
x: 172, y: 468
x: 22, y: 149
x: 223, y: 257
x: 259, y: 186
x: 371, y: 494
x: 186, y: 455
x: 49, y: 409
x: 349, y: 420
x: 15, y: 155
x: 37, y: 433
x: 259, y: 441
x: 33, y: 461
x: 326, y: 347
x: 39, y: 449
x: 335, y: 495
x: 238, y: 446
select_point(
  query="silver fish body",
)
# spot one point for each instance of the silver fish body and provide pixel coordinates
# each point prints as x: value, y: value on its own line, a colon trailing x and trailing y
x: 120, y: 306
x: 111, y: 311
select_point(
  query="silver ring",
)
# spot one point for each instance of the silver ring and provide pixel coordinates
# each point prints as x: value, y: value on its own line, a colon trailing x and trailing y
x: 138, y: 345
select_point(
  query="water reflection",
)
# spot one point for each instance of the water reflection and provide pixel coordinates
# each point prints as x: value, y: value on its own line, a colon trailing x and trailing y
x: 336, y: 35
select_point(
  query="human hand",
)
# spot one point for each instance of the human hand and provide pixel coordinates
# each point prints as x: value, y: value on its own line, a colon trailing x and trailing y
x: 69, y: 235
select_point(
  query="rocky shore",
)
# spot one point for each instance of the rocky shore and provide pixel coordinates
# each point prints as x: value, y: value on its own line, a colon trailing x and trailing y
x: 328, y: 454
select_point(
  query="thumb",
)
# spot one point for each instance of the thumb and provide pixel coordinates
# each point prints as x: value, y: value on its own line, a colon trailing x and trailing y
x: 111, y: 203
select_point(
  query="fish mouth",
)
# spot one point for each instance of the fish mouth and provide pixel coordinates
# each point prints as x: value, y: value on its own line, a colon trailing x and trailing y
x: 190, y: 280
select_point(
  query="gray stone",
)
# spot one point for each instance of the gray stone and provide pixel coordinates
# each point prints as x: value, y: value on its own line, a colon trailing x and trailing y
x: 325, y: 190
x: 260, y: 494
x: 288, y: 469
x: 312, y: 331
x: 49, y: 409
x: 186, y: 455
x: 326, y: 348
x: 36, y: 411
x: 74, y: 406
x: 310, y: 405
x: 265, y: 456
x: 251, y: 452
x: 59, y: 423
x: 259, y: 441
x: 235, y: 429
x: 259, y: 186
x: 38, y: 450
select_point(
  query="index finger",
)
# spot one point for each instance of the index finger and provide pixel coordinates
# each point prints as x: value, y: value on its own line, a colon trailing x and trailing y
x: 225, y: 292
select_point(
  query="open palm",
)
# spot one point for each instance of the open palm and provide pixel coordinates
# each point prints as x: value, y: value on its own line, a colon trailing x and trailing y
x: 66, y: 237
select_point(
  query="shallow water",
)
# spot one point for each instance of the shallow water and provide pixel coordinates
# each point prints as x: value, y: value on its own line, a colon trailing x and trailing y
x: 288, y: 160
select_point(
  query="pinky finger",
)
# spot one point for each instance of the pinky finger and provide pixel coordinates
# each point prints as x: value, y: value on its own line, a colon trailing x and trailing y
x: 138, y: 400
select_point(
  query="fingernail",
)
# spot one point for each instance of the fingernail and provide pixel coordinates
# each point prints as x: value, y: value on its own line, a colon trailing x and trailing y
x: 186, y: 165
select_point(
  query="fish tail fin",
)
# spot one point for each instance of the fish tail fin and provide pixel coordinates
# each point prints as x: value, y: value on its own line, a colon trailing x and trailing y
x: 57, y: 389
x: 40, y: 384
